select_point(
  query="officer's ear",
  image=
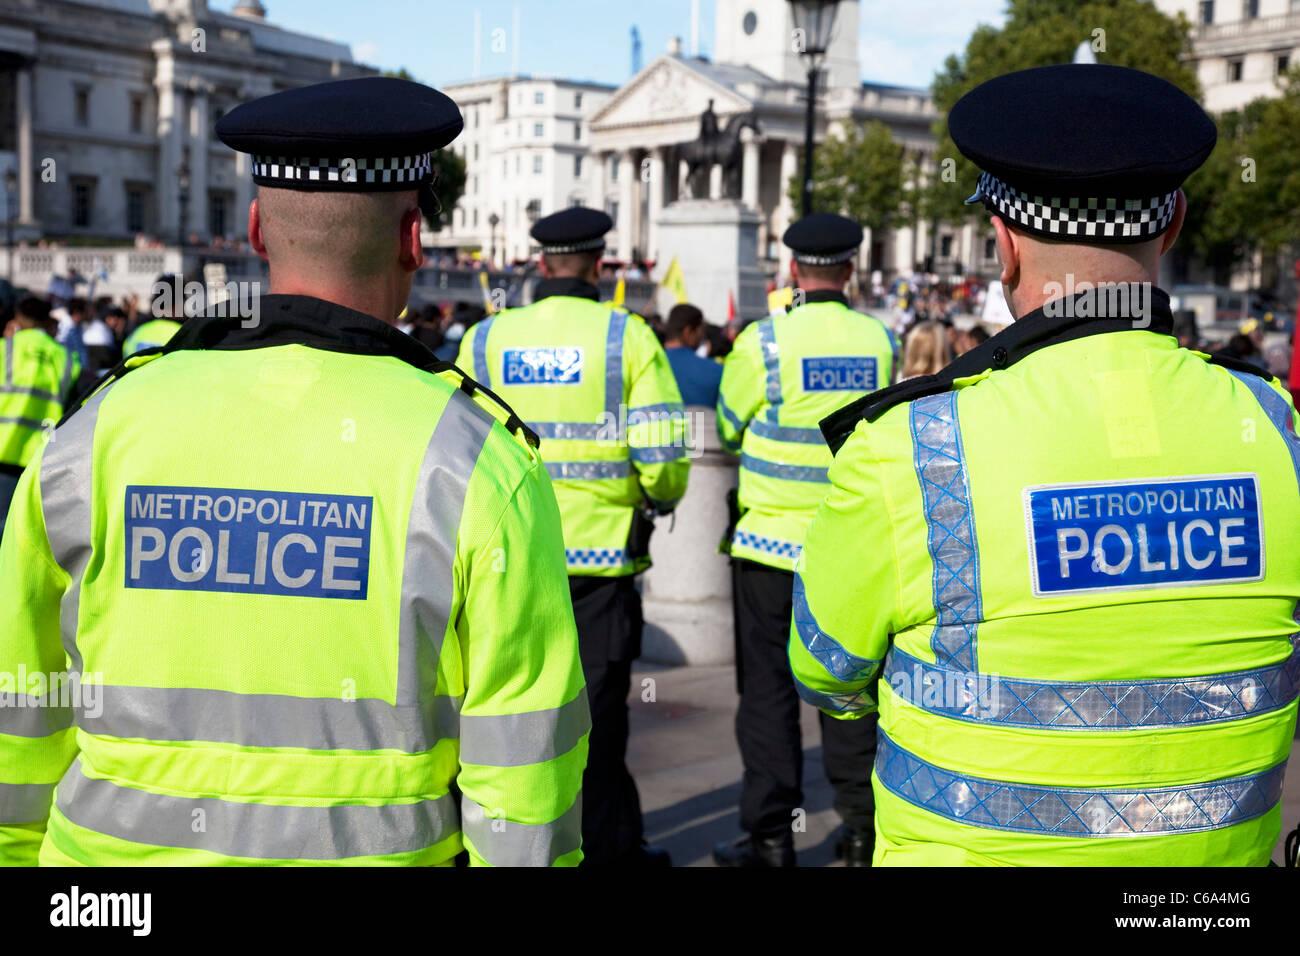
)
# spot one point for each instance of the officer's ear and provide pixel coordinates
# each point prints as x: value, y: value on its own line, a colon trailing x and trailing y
x: 1008, y: 252
x: 255, y: 230
x: 410, y: 252
x: 1175, y: 225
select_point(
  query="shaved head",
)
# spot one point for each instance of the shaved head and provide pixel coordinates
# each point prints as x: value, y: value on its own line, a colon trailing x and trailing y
x: 352, y: 235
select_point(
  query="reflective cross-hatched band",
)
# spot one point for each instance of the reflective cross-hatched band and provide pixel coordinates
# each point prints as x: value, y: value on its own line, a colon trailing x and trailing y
x: 657, y: 454
x: 1278, y: 410
x: 1096, y: 218
x: 25, y: 802
x: 949, y: 516
x: 1063, y: 811
x: 596, y: 557
x: 614, y: 363
x: 771, y: 362
x: 589, y: 470
x: 572, y: 431
x: 256, y: 830
x: 845, y: 667
x: 786, y: 549
x: 777, y: 469
x: 65, y: 503
x: 656, y: 412
x: 482, y: 374
x: 731, y: 417
x: 520, y: 740
x: 849, y: 703
x: 802, y: 436
x: 503, y: 842
x: 373, y: 170
x: 1101, y: 705
x: 270, y: 720
x: 427, y: 583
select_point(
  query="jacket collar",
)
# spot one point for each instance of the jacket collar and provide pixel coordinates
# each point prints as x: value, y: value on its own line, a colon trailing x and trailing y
x: 1144, y: 308
x: 825, y: 295
x: 566, y: 285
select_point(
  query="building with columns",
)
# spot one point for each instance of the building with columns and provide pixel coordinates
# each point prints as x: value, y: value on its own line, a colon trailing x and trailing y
x: 107, y: 109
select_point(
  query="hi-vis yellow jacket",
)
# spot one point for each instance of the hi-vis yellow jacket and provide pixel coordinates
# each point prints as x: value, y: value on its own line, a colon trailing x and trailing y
x: 36, y: 376
x: 275, y: 600
x: 596, y: 385
x: 784, y: 375
x: 1072, y: 562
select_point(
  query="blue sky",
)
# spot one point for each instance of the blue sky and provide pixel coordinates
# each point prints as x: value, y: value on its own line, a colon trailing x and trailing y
x: 900, y: 42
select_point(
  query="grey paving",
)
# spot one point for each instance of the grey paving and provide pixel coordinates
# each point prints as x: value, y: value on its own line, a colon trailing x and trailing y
x: 683, y: 754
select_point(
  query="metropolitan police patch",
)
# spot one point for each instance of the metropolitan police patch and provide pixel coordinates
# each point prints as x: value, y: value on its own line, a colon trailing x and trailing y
x: 839, y: 373
x: 1150, y: 533
x: 543, y: 366
x: 251, y: 542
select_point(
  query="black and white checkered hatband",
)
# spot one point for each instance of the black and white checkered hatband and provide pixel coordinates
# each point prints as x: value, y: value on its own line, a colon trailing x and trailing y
x: 826, y: 259
x: 1079, y: 219
x: 344, y: 173
x: 564, y: 248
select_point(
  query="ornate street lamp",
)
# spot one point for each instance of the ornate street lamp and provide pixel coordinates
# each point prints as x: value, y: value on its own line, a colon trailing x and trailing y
x: 183, y: 197
x: 815, y: 20
x: 493, y: 221
x: 11, y: 189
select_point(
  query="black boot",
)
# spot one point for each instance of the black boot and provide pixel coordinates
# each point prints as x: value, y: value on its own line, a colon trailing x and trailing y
x: 855, y: 847
x: 756, y: 851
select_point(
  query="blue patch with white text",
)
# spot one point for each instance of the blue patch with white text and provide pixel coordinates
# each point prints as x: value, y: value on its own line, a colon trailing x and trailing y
x: 1152, y: 533
x: 839, y: 373
x: 250, y: 542
x: 543, y: 366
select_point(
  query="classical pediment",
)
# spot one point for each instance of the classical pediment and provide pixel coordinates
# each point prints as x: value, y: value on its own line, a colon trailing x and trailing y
x: 666, y: 91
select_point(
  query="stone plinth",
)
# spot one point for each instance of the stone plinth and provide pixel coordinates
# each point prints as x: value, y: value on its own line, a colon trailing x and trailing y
x: 716, y: 245
x: 687, y: 593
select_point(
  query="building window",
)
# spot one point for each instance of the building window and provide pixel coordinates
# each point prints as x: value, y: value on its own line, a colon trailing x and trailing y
x: 137, y: 198
x: 577, y: 132
x: 577, y: 101
x: 613, y: 169
x: 476, y: 217
x: 537, y: 130
x: 613, y: 210
x: 577, y: 166
x: 473, y: 185
x: 137, y: 113
x: 519, y: 161
x: 83, y: 201
x: 990, y: 248
x: 537, y: 164
x: 81, y: 105
x: 1206, y: 12
x: 476, y: 152
x: 1234, y: 70
x: 1249, y: 9
x: 1282, y: 63
x: 218, y: 209
x: 539, y: 97
x: 945, y: 247
x: 476, y: 117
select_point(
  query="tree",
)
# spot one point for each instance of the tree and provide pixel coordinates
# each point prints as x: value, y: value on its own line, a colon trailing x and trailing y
x: 859, y: 175
x: 1130, y: 33
x: 449, y: 174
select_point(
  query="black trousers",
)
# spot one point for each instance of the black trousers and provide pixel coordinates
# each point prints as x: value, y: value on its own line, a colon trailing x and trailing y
x: 608, y: 614
x: 767, y: 720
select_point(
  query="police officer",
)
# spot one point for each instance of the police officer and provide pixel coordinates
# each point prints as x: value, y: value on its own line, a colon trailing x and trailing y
x: 595, y: 384
x: 167, y: 304
x: 785, y: 374
x: 37, y: 378
x: 317, y: 575
x: 1071, y: 552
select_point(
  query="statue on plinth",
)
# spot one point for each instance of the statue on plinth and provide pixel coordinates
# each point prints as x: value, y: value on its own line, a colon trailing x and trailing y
x: 715, y: 146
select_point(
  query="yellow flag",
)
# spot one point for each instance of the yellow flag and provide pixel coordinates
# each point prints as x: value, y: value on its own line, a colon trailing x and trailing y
x: 778, y: 300
x: 673, y: 281
x: 488, y: 304
x: 620, y: 291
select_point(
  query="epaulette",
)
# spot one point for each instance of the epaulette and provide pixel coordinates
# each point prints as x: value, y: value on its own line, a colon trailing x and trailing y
x: 1237, y: 365
x: 839, y: 425
x: 494, y: 403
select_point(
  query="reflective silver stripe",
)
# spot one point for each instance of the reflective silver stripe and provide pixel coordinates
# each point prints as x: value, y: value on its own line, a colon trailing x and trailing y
x: 657, y: 454
x: 589, y: 470
x: 940, y: 464
x: 772, y: 362
x: 804, y: 436
x: 255, y: 830
x: 270, y: 720
x: 1063, y: 811
x: 31, y: 423
x: 572, y: 431
x: 843, y: 665
x: 34, y: 717
x: 518, y: 740
x: 427, y: 583
x: 777, y: 469
x: 1098, y: 705
x: 658, y: 411
x: 614, y: 363
x: 481, y: 372
x: 1278, y: 411
x: 507, y: 843
x: 37, y: 393
x: 65, y: 501
x: 25, y: 802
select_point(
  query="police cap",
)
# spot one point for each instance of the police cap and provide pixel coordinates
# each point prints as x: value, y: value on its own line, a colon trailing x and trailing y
x: 1082, y: 152
x: 823, y: 239
x: 371, y: 134
x: 577, y: 229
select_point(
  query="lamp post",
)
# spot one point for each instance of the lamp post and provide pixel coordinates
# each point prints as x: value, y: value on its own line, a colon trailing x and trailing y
x: 815, y: 19
x: 11, y: 188
x: 493, y: 221
x: 183, y: 197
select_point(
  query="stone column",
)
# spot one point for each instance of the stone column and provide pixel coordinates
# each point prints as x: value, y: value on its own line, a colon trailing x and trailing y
x: 26, y: 171
x: 657, y: 187
x: 787, y: 213
x: 598, y: 177
x: 627, y: 179
x: 171, y: 131
x: 197, y: 134
x: 750, y: 170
